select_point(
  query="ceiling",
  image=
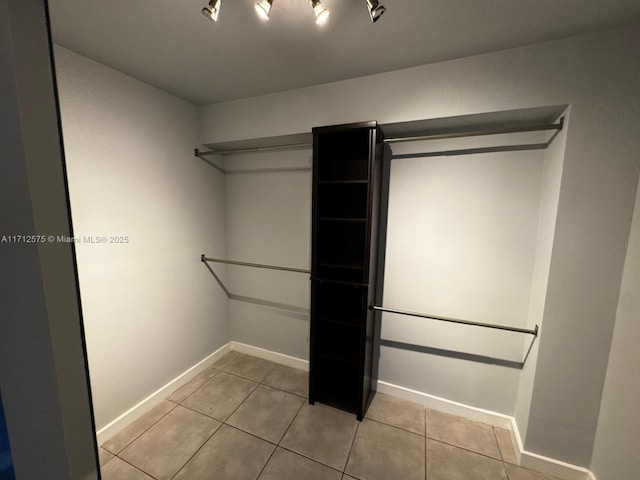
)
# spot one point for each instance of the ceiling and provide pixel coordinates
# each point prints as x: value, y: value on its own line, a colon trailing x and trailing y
x: 171, y: 45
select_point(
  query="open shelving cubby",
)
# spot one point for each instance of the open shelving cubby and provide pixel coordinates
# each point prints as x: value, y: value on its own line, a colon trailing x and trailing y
x: 345, y: 161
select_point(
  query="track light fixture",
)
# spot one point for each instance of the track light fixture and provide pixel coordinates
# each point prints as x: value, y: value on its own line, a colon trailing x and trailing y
x: 213, y: 10
x: 321, y: 13
x: 375, y: 10
x: 263, y: 8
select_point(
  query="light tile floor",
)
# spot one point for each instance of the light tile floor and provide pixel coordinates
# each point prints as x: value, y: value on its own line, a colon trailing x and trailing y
x: 246, y: 419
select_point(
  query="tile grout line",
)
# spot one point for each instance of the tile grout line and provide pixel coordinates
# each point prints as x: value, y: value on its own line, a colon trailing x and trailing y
x: 258, y: 384
x: 291, y: 422
x: 254, y: 435
x: 210, y: 416
x: 267, y: 462
x: 241, y: 403
x: 141, y: 433
x: 196, y: 390
x: 276, y: 365
x: 285, y: 391
x: 223, y: 422
x: 258, y: 438
x: 394, y: 426
x: 205, y: 415
x: 504, y: 466
x: 353, y: 441
x: 196, y: 452
x: 301, y: 454
x: 297, y: 453
x: 200, y: 413
x: 465, y: 449
x: 495, y: 435
x: 250, y: 356
x: 207, y: 382
x: 251, y: 434
x: 500, y: 448
x: 217, y: 372
x: 278, y: 388
x: 507, y: 471
x: 135, y: 466
x: 278, y: 445
x: 426, y: 420
x: 310, y: 459
x: 107, y: 461
x: 426, y: 436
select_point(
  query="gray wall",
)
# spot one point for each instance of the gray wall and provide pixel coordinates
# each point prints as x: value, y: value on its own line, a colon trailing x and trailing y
x: 549, y: 196
x: 269, y: 221
x: 148, y: 302
x: 597, y: 75
x: 615, y: 454
x: 461, y: 243
x: 43, y: 374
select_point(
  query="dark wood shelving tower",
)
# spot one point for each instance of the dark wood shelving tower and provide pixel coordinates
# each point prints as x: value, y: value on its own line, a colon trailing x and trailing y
x: 346, y: 184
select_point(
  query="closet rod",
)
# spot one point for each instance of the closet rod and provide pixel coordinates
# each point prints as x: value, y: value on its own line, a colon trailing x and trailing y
x: 286, y: 146
x: 438, y: 136
x: 533, y: 332
x: 470, y: 151
x: 255, y: 265
x: 475, y: 133
x: 202, y: 157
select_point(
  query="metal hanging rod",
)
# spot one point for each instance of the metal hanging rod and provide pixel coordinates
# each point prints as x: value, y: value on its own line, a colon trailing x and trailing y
x: 206, y: 160
x: 256, y: 301
x: 479, y: 132
x: 284, y: 146
x: 203, y: 157
x: 498, y: 148
x: 203, y: 258
x: 471, y: 151
x: 533, y: 332
x: 268, y: 170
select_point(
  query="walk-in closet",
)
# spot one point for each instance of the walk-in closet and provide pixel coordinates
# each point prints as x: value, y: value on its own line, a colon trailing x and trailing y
x: 331, y: 240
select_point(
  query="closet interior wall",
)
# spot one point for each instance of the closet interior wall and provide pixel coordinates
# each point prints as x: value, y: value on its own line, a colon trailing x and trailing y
x: 548, y: 211
x: 151, y: 311
x: 137, y: 177
x: 596, y: 74
x: 268, y: 221
x: 461, y: 243
x: 615, y: 453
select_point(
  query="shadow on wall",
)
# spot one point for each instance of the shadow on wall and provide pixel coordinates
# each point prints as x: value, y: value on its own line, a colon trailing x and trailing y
x: 298, y: 312
x: 460, y: 355
x: 6, y: 465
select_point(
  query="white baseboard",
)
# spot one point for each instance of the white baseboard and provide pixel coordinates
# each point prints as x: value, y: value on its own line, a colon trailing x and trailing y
x: 135, y: 412
x: 525, y: 459
x: 444, y: 405
x: 275, y: 357
x: 516, y: 440
x: 554, y: 467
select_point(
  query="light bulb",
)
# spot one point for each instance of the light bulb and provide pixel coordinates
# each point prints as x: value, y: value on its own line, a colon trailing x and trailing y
x: 263, y: 8
x: 375, y: 10
x: 213, y: 10
x: 321, y: 13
